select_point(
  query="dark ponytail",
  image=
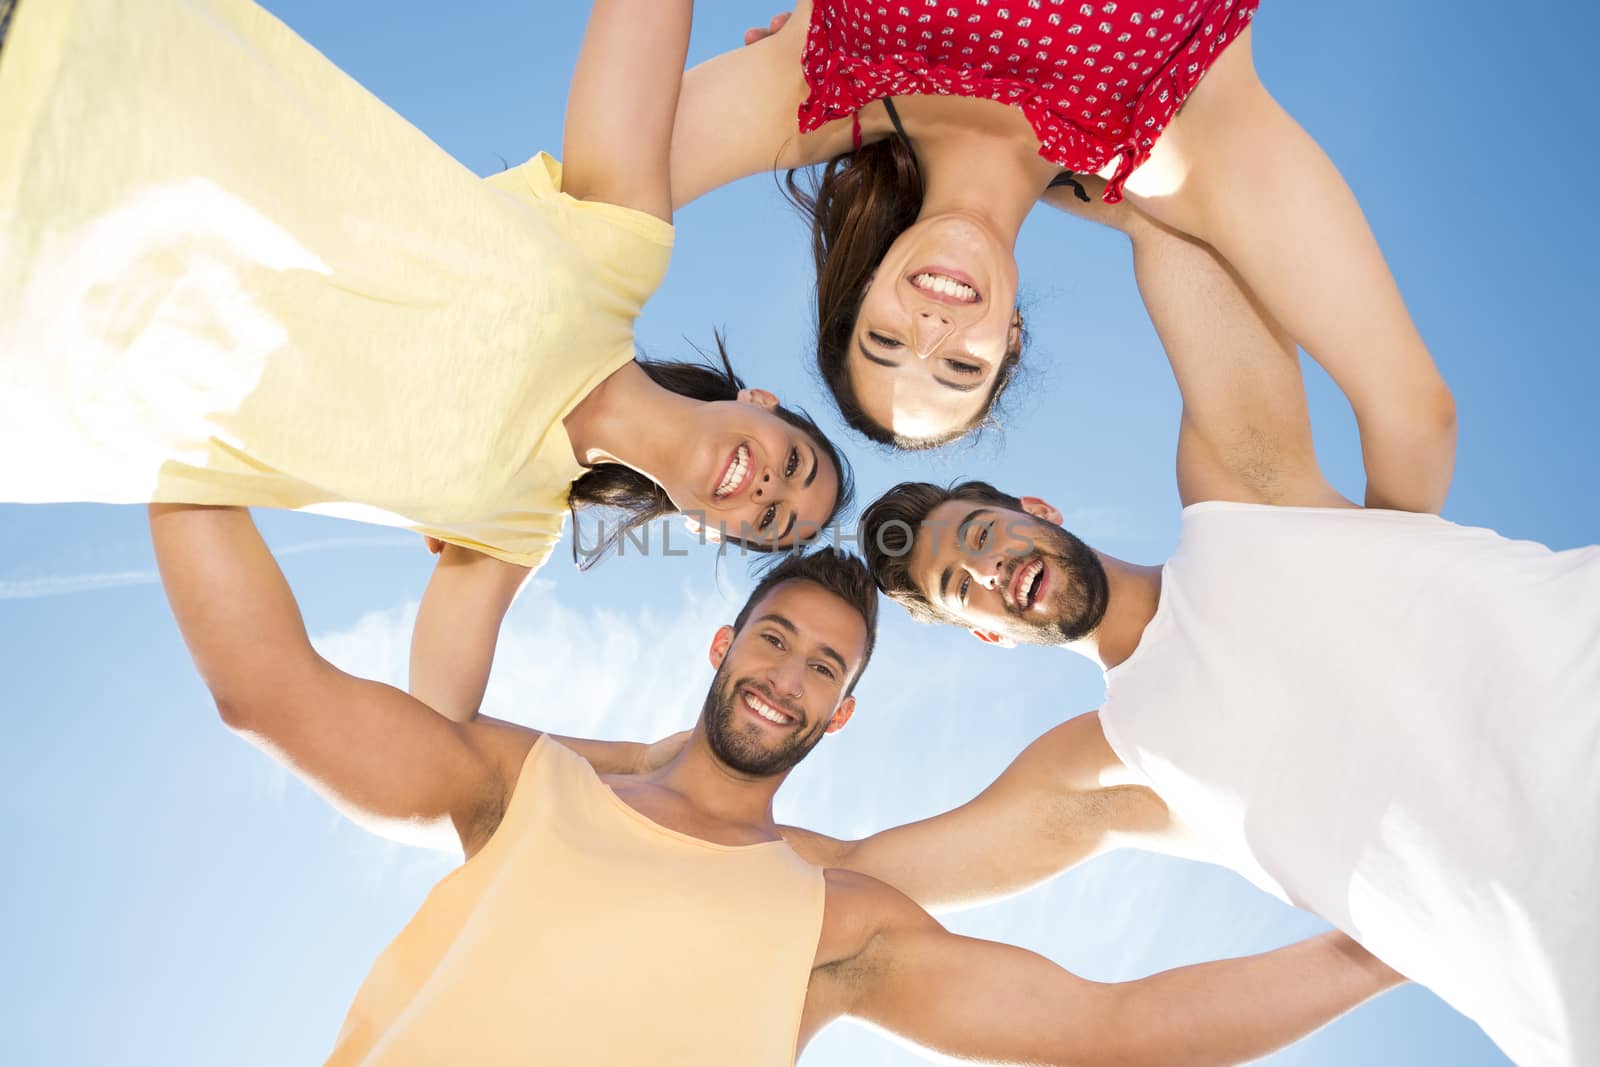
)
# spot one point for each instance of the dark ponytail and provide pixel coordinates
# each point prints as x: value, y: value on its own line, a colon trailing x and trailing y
x: 857, y: 204
x: 635, y: 500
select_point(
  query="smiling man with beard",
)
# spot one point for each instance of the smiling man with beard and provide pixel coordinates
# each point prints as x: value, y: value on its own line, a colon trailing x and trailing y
x: 1380, y: 716
x: 659, y: 918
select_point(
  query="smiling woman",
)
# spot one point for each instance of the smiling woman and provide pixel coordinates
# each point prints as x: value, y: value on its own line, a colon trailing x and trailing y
x: 232, y: 276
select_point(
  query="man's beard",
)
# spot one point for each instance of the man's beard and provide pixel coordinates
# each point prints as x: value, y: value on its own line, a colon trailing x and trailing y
x: 1078, y: 607
x: 737, y: 744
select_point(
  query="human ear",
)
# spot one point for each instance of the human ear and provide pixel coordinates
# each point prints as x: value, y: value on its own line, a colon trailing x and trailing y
x: 1041, y: 510
x: 720, y: 645
x: 847, y: 708
x: 989, y: 637
x: 1014, y: 332
x: 759, y: 397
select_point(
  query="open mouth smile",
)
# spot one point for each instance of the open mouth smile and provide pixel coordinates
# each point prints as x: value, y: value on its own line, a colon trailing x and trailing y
x: 761, y: 709
x: 1027, y: 584
x: 735, y: 476
x: 945, y: 286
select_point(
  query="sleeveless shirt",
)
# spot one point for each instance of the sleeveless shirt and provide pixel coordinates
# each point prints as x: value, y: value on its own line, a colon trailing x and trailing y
x: 1097, y: 81
x: 585, y: 933
x: 1394, y: 722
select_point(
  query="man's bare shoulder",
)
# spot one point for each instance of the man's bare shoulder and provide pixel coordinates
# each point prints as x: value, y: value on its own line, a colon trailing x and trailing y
x: 859, y: 909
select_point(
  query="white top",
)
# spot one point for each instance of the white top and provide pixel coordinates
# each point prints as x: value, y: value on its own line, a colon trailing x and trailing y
x: 1394, y: 722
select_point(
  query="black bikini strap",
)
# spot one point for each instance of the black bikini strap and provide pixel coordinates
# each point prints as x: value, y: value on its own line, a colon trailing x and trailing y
x: 1066, y: 178
x: 894, y: 117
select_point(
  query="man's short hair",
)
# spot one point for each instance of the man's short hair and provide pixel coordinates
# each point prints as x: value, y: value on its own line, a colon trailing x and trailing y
x: 889, y: 529
x: 841, y: 574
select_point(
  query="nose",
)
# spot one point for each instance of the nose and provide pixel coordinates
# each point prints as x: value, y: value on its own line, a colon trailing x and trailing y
x: 929, y: 329
x: 984, y: 568
x: 763, y: 486
x: 785, y: 677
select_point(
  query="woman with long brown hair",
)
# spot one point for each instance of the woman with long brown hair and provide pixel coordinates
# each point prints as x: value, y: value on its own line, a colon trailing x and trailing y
x: 937, y: 126
x: 231, y: 276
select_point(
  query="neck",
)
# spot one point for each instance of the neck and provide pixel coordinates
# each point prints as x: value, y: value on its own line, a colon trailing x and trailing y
x: 980, y: 173
x: 716, y: 789
x: 1133, y: 592
x: 629, y: 419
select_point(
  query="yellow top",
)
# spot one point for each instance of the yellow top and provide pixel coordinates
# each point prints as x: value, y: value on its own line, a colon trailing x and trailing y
x: 584, y: 933
x: 231, y: 275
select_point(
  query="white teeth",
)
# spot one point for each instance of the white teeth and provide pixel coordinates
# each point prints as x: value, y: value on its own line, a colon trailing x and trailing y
x: 938, y: 283
x: 1030, y: 583
x: 761, y: 708
x: 736, y: 470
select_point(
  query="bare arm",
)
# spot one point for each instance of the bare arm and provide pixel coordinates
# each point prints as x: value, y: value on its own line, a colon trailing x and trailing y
x: 379, y: 754
x: 620, y: 108
x: 737, y: 115
x: 453, y: 646
x: 458, y: 626
x: 1265, y: 196
x: 1059, y: 803
x: 996, y: 1003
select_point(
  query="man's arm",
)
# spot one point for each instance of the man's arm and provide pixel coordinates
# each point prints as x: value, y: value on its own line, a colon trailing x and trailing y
x: 1065, y: 799
x: 624, y: 94
x: 996, y: 1003
x: 378, y: 754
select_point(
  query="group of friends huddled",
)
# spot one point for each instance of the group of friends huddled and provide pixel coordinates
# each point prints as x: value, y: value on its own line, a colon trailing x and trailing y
x: 230, y: 277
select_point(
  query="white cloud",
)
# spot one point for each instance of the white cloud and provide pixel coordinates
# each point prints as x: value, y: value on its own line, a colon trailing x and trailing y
x: 589, y: 671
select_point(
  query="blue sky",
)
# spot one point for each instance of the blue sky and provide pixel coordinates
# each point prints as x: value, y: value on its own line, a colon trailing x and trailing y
x: 175, y: 898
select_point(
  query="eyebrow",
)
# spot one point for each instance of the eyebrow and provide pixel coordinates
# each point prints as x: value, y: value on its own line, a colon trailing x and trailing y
x: 813, y: 475
x: 949, y: 572
x: 788, y: 527
x: 959, y: 387
x: 879, y: 360
x: 825, y: 650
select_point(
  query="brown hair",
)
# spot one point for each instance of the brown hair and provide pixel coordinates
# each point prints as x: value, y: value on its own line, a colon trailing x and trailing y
x: 889, y: 532
x: 857, y: 204
x: 637, y: 500
x: 836, y: 571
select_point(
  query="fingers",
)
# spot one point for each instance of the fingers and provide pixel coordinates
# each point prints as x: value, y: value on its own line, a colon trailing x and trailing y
x: 756, y: 33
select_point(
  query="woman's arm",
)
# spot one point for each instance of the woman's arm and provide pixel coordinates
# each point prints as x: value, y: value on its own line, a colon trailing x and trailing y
x: 458, y: 626
x: 1237, y: 172
x: 453, y: 645
x: 620, y: 109
x: 737, y: 115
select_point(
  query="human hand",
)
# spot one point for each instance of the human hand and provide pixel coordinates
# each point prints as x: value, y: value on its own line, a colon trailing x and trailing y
x: 663, y: 751
x: 756, y: 33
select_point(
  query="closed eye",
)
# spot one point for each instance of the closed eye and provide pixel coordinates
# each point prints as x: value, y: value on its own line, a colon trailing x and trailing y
x: 964, y: 368
x: 881, y: 340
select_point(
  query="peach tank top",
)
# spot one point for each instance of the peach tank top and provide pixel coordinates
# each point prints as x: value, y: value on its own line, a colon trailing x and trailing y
x: 585, y: 933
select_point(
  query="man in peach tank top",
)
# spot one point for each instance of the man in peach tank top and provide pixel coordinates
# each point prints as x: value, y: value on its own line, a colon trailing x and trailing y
x: 687, y: 931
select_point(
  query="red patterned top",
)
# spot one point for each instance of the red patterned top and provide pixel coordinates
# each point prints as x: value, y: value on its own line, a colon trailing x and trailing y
x: 1098, y: 81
